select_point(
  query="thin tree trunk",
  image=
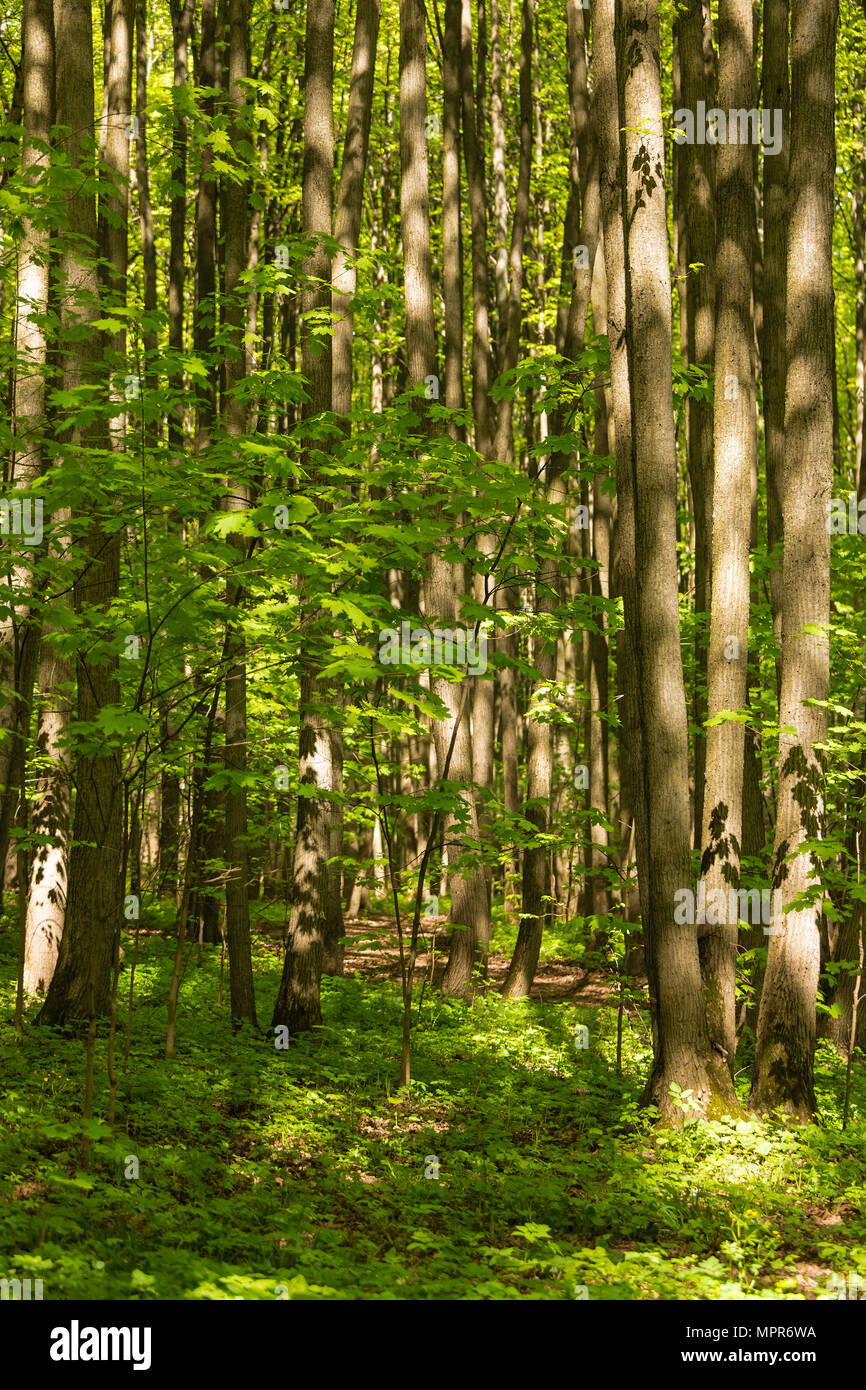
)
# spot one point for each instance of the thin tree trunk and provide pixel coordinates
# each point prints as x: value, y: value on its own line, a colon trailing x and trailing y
x: 475, y: 179
x: 347, y: 231
x: 204, y: 320
x: 452, y: 246
x: 181, y: 24
x: 536, y: 897
x: 500, y: 195
x: 234, y: 415
x: 698, y: 195
x: 776, y: 96
x: 145, y: 212
x: 510, y: 331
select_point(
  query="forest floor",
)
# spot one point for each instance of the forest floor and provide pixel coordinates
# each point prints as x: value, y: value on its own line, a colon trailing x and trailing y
x: 519, y: 1166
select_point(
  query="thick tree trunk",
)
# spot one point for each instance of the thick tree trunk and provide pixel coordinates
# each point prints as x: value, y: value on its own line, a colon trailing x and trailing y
x: 298, y: 1003
x: 735, y: 459
x: 785, y: 1046
x: 20, y: 630
x: 351, y: 195
x: 683, y: 1055
x: 38, y: 62
x: 80, y: 987
x: 623, y: 574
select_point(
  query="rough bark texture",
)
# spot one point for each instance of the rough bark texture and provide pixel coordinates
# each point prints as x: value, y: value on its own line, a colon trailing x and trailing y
x: 351, y: 194
x: 776, y: 96
x: 735, y: 459
x: 694, y: 29
x: 298, y: 1002
x: 623, y: 575
x: 473, y: 156
x: 683, y: 1054
x: 41, y: 940
x: 510, y: 330
x: 46, y: 905
x: 145, y: 211
x: 785, y: 1045
x: 204, y: 320
x: 80, y: 987
x: 20, y: 629
x: 234, y: 220
x: 452, y: 244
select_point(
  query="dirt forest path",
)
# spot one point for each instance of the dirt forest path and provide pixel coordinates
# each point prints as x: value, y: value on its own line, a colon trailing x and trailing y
x: 372, y: 953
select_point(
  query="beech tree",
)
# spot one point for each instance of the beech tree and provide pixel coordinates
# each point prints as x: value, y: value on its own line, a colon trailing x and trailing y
x: 785, y: 1044
x: 684, y: 1049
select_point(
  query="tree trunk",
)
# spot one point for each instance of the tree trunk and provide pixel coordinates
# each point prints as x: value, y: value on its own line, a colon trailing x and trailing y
x: 785, y: 1046
x: 735, y: 458
x: 145, y: 211
x: 46, y: 906
x: 351, y: 195
x: 80, y: 988
x: 777, y: 98
x: 452, y: 245
x: 510, y: 330
x: 500, y: 196
x: 234, y: 414
x: 683, y: 1055
x: 20, y: 630
x: 298, y: 1005
x: 204, y: 319
x: 181, y: 24
x: 697, y: 191
x: 623, y: 575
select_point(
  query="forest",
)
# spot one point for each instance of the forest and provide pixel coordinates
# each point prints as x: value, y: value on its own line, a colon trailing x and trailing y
x: 432, y: 682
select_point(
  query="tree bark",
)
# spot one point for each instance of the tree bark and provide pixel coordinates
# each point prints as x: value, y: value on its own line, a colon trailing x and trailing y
x: 698, y: 193
x: 204, y: 318
x: 20, y: 630
x: 234, y: 418
x: 351, y: 196
x: 777, y: 97
x: 784, y: 1051
x: 80, y: 988
x: 298, y: 1005
x: 510, y: 330
x: 683, y: 1055
x: 46, y: 905
x: 735, y: 459
x: 623, y: 572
